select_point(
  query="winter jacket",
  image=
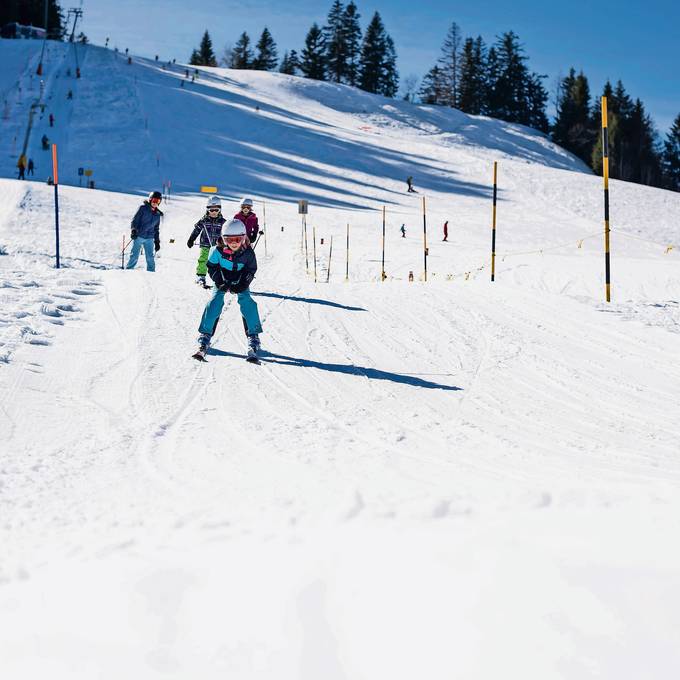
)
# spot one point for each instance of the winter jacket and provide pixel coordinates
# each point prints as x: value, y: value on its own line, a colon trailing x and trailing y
x: 146, y: 222
x: 232, y: 271
x: 252, y: 226
x: 209, y: 229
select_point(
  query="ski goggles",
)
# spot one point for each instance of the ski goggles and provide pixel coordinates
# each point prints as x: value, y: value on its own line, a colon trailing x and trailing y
x: 214, y: 210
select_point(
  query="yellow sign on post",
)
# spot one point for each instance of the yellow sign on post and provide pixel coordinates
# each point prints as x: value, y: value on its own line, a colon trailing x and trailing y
x: 208, y: 190
x: 88, y: 173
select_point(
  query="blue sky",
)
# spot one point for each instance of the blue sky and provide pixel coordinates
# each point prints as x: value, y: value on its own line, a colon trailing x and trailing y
x: 635, y: 42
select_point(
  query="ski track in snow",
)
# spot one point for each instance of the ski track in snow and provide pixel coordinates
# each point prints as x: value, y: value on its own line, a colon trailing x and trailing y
x: 411, y: 464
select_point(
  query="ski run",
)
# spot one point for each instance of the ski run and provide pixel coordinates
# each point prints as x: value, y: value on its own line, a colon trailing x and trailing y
x: 435, y: 479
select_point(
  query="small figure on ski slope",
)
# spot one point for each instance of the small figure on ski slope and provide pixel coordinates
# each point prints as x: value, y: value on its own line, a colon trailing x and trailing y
x: 402, y: 229
x: 209, y: 228
x: 446, y: 231
x: 232, y: 266
x: 249, y: 219
x: 146, y: 231
x: 409, y: 182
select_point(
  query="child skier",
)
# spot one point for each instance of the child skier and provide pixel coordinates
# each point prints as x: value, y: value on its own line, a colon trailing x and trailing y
x: 249, y: 219
x: 209, y: 227
x: 232, y: 266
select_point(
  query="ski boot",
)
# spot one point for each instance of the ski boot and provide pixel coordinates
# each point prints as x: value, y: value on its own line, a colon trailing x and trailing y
x: 253, y: 348
x: 203, y: 345
x: 200, y: 280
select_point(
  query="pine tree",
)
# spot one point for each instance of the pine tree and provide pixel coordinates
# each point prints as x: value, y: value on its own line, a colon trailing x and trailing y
x: 313, y: 63
x: 377, y: 67
x: 471, y: 91
x: 573, y: 128
x: 492, y: 99
x: 267, y: 58
x: 431, y: 89
x: 644, y: 165
x: 389, y: 76
x: 449, y: 65
x: 32, y: 13
x: 336, y: 47
x: 671, y: 157
x: 537, y: 97
x: 290, y: 64
x: 242, y: 54
x: 352, y: 33
x: 205, y: 55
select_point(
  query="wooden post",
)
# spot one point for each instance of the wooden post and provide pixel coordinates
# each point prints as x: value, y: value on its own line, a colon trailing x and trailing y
x: 347, y: 263
x: 264, y: 228
x: 493, y: 221
x: 424, y: 241
x: 330, y: 258
x: 605, y: 177
x: 55, y: 172
x: 383, y: 276
x: 304, y: 227
x: 314, y: 244
x: 122, y: 254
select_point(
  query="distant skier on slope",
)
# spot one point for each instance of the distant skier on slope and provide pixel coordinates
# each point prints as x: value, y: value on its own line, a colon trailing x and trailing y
x: 209, y: 228
x: 446, y: 231
x: 232, y: 266
x: 145, y: 231
x: 409, y: 182
x: 249, y: 219
x: 402, y: 229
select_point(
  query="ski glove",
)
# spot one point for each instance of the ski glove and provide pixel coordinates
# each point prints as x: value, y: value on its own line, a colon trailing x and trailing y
x: 243, y: 283
x: 157, y: 245
x: 190, y: 243
x: 133, y: 234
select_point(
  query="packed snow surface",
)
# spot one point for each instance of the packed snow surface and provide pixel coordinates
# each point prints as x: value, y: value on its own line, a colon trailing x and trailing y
x: 450, y: 478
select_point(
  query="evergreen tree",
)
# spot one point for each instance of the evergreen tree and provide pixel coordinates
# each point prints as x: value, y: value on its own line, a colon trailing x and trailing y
x: 431, y: 89
x: 378, y: 63
x: 242, y: 54
x: 472, y: 83
x: 290, y: 63
x: 267, y: 58
x: 389, y: 76
x: 492, y: 99
x: 644, y: 162
x: 313, y: 62
x: 352, y: 33
x: 671, y: 157
x: 449, y: 65
x: 537, y: 97
x: 336, y: 46
x: 32, y: 13
x: 573, y: 128
x: 204, y: 56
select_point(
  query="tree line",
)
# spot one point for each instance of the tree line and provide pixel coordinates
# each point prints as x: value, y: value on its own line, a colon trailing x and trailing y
x: 339, y: 51
x: 475, y: 78
x: 32, y: 13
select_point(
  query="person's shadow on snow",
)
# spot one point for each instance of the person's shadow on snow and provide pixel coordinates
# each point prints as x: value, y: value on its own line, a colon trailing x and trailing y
x: 349, y: 369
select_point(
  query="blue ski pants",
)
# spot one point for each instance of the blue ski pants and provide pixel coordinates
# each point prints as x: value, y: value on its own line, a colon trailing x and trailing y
x: 148, y: 252
x: 212, y: 311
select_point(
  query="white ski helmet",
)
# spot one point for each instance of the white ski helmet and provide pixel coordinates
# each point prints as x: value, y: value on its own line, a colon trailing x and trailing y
x: 233, y: 228
x: 248, y: 202
x: 214, y: 202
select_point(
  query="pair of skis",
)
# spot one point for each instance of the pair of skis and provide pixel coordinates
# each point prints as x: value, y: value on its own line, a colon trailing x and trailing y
x: 251, y: 357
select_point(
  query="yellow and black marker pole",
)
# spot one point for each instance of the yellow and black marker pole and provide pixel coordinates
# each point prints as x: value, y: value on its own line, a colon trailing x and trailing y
x: 347, y: 262
x: 424, y: 242
x: 330, y: 259
x: 493, y: 221
x: 383, y: 276
x: 605, y: 177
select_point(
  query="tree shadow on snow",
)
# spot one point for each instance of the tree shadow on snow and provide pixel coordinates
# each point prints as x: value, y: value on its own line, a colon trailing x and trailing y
x: 311, y: 301
x: 348, y: 369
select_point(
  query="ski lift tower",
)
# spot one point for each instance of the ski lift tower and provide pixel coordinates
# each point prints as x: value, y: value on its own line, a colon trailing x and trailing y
x: 77, y: 13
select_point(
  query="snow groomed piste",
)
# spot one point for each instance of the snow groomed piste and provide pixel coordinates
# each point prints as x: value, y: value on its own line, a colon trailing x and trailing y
x: 438, y: 479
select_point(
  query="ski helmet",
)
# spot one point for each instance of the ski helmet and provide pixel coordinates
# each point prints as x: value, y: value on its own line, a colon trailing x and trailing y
x: 248, y: 202
x: 156, y: 194
x: 233, y: 228
x: 214, y: 202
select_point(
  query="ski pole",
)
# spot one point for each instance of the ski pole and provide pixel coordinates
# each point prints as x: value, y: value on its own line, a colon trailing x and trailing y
x: 122, y: 252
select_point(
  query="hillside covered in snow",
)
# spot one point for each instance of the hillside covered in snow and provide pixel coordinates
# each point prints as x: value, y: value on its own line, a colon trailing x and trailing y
x: 436, y: 479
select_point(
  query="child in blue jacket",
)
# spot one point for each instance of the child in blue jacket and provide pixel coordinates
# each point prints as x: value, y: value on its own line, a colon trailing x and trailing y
x: 231, y: 266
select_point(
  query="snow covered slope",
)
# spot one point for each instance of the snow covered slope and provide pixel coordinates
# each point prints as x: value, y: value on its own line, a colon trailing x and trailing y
x: 444, y: 479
